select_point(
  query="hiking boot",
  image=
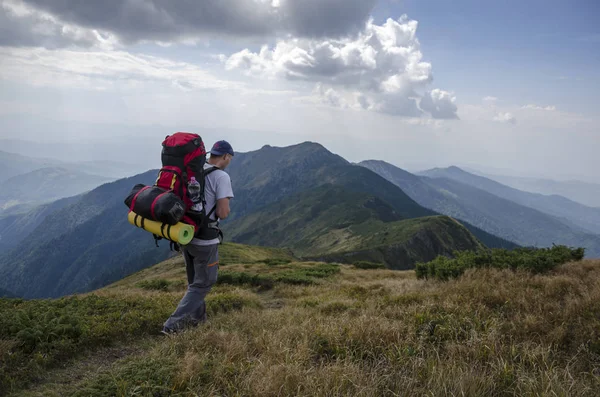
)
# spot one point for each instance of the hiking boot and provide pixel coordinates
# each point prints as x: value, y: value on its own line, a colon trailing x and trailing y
x: 168, y: 331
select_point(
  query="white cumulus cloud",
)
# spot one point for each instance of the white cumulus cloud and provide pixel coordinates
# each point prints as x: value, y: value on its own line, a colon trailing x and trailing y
x: 441, y: 104
x: 537, y: 107
x: 382, y: 68
x: 505, y: 117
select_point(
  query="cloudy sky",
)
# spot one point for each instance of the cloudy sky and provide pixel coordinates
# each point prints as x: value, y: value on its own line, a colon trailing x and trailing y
x: 500, y: 85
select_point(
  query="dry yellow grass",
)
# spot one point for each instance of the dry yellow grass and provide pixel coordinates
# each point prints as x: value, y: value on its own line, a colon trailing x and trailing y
x: 379, y: 333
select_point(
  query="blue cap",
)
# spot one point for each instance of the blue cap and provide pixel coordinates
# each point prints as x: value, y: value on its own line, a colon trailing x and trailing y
x: 220, y: 148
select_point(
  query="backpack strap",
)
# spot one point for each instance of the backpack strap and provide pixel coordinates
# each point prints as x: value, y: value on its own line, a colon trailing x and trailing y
x: 214, y: 209
x: 207, y: 173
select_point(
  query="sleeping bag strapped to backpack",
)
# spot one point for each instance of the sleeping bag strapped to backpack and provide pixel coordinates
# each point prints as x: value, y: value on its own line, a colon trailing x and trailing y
x: 168, y: 201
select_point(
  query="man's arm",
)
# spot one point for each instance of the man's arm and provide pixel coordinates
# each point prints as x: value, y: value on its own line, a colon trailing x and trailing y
x: 222, y: 210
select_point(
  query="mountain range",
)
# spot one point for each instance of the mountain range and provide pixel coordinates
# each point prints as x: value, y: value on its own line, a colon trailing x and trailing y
x: 585, y: 193
x: 587, y: 218
x: 333, y: 224
x: 16, y: 226
x: 13, y: 164
x: 81, y: 246
x: 466, y: 197
x: 46, y: 185
x: 272, y: 174
x: 89, y: 243
x: 301, y: 197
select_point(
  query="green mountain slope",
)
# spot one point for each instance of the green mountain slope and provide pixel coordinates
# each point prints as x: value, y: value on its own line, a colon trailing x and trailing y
x: 46, y: 185
x: 584, y: 217
x: 430, y: 197
x: 82, y: 246
x: 6, y: 294
x: 331, y: 223
x: 496, y: 215
x: 15, y: 227
x: 271, y: 174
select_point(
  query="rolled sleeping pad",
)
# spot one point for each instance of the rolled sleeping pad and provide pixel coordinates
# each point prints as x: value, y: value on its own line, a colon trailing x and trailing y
x: 181, y: 233
x: 156, y: 204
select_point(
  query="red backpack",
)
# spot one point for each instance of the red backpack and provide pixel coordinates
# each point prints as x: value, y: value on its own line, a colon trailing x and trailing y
x: 183, y: 156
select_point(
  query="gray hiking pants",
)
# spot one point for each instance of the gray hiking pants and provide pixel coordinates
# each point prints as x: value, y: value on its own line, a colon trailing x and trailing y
x: 202, y: 266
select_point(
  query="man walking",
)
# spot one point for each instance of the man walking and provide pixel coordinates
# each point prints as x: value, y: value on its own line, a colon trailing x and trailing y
x: 202, y: 254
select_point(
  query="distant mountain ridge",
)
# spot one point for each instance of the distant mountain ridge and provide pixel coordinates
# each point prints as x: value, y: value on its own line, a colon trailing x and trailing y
x: 46, y: 185
x: 16, y: 227
x: 13, y: 164
x: 586, y: 193
x: 494, y: 214
x: 585, y: 217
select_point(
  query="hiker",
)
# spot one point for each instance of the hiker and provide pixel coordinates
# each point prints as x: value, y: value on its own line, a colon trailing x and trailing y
x: 202, y: 254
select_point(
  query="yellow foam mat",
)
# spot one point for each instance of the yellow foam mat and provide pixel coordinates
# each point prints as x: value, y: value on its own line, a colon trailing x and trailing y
x: 181, y: 233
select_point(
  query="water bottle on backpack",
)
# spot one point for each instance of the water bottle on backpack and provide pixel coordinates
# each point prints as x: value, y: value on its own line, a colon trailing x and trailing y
x: 194, y: 190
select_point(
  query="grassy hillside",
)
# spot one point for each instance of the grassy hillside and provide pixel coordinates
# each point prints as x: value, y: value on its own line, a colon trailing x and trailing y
x: 332, y: 223
x: 313, y: 329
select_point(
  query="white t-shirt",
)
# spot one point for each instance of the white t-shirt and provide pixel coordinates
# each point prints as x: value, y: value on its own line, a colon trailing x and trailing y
x: 218, y: 186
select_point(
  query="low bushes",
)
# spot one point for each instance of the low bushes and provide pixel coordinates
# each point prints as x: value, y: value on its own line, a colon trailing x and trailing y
x: 44, y: 332
x: 160, y: 284
x: 368, y: 265
x: 536, y: 260
x: 294, y: 276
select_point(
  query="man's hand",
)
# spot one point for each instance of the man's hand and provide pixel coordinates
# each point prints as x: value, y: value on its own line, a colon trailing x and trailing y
x: 222, y: 210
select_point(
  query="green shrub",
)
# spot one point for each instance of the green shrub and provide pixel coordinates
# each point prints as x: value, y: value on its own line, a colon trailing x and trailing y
x: 49, y: 331
x: 535, y: 260
x: 275, y: 261
x: 242, y: 278
x: 226, y: 302
x: 307, y: 275
x: 321, y: 270
x: 155, y: 285
x: 294, y: 278
x: 298, y: 276
x: 368, y: 265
